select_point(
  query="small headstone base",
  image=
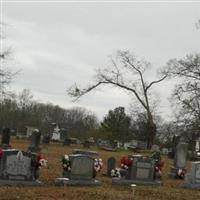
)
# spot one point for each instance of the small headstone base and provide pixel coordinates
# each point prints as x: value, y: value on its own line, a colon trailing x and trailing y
x: 173, y: 172
x: 20, y: 183
x: 190, y: 184
x: 65, y: 181
x: 120, y: 181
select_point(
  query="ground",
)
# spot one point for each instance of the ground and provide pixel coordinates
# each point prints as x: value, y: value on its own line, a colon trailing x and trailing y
x: 170, y: 190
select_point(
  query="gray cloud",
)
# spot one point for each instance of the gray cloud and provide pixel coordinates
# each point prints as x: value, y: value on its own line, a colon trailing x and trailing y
x: 57, y: 44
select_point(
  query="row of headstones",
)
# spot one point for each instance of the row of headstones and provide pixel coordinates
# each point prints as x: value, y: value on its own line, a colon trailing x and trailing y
x: 142, y: 170
x: 82, y: 171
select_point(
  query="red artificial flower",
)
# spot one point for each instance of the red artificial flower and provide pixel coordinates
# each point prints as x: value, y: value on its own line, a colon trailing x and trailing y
x: 1, y: 153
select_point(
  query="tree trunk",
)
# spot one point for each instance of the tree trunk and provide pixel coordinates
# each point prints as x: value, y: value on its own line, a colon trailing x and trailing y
x: 151, y: 131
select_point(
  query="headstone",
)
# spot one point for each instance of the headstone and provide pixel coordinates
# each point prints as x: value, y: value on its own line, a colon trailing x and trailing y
x: 114, y: 144
x: 155, y: 148
x: 181, y: 155
x: 35, y: 141
x: 67, y: 142
x: 84, y: 152
x: 142, y: 172
x: 46, y: 139
x: 178, y: 170
x: 81, y: 173
x: 5, y: 138
x: 86, y: 144
x: 16, y: 168
x: 165, y: 151
x: 111, y: 164
x: 192, y: 180
x: 81, y: 167
x: 175, y: 141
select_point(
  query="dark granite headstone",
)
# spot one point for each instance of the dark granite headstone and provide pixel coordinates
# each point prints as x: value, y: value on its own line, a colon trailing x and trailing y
x: 67, y: 142
x: 5, y: 138
x: 35, y: 141
x: 86, y: 144
x: 46, y: 139
x: 111, y: 164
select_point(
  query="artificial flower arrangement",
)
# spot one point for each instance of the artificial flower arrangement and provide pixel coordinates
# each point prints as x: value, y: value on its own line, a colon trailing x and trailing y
x: 125, y: 164
x: 181, y: 173
x: 37, y: 162
x: 41, y: 160
x: 98, y: 164
x: 159, y: 164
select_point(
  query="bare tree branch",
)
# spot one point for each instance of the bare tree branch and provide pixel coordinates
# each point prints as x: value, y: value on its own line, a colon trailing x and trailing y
x: 154, y: 82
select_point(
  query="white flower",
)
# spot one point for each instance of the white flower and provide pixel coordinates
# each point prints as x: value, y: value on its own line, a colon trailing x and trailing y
x: 66, y: 157
x: 43, y: 162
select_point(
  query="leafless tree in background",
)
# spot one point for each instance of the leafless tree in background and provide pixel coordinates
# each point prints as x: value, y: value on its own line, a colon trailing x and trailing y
x: 127, y: 73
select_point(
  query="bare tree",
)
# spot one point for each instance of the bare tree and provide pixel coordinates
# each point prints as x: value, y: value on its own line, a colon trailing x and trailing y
x: 127, y: 73
x: 186, y: 94
x: 5, y: 74
x: 198, y: 24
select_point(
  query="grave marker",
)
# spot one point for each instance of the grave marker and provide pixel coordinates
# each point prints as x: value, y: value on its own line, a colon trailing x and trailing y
x: 111, y: 164
x: 192, y: 180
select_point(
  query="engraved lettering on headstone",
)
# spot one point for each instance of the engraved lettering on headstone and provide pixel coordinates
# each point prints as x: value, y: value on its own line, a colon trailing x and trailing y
x: 14, y: 166
x: 142, y: 173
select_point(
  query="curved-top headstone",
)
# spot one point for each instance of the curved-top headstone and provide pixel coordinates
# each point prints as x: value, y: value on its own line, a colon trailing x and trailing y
x: 111, y: 164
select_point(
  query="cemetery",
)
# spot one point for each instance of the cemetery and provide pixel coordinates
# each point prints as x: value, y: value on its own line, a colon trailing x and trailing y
x: 99, y: 100
x: 78, y: 183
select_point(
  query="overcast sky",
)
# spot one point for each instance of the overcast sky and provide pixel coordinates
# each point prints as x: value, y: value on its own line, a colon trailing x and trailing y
x: 56, y: 44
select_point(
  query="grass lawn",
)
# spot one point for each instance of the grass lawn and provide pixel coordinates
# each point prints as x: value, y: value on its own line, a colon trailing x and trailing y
x: 170, y: 190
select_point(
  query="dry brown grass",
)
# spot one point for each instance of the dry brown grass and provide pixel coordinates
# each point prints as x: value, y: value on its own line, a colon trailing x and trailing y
x: 171, y: 189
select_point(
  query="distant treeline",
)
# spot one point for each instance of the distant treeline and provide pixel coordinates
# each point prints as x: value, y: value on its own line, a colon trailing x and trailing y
x: 19, y: 111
